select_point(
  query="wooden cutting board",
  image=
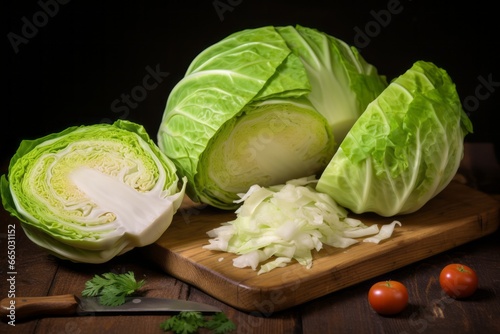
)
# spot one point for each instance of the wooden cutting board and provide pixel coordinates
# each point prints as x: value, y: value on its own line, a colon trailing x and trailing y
x: 459, y: 214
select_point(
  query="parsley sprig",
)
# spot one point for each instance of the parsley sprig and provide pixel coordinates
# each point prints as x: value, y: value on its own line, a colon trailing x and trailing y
x: 112, y: 288
x: 188, y: 322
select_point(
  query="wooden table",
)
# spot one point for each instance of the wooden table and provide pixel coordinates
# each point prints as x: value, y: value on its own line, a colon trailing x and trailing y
x: 344, y: 311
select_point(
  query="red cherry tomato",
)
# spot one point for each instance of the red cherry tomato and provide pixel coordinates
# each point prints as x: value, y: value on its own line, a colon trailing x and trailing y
x: 458, y: 280
x: 388, y: 297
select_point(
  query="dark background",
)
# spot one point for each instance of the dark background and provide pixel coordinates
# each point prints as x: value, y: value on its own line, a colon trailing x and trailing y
x: 85, y: 55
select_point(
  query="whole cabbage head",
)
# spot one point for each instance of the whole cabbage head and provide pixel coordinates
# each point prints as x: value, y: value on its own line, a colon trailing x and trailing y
x: 263, y: 106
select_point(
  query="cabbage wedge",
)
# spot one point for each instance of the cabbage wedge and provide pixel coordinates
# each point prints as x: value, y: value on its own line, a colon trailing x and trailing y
x: 263, y: 106
x: 404, y: 149
x: 90, y: 193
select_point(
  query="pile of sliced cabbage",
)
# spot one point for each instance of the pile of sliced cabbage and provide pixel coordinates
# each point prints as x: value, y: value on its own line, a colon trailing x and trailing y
x: 287, y: 222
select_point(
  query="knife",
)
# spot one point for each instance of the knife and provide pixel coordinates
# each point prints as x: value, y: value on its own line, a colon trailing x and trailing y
x: 70, y: 305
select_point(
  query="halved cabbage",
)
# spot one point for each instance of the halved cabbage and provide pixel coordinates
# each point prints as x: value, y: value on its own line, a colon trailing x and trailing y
x: 90, y: 193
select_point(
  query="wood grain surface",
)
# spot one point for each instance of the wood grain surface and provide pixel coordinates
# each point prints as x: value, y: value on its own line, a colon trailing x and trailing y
x: 457, y: 215
x: 343, y: 311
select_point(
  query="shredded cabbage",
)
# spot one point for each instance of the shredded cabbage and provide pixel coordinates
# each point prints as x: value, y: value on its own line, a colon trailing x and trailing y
x: 288, y: 222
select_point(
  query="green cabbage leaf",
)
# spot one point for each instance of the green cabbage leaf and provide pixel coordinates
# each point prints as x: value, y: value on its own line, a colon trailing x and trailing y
x: 404, y: 149
x: 90, y: 193
x: 263, y: 106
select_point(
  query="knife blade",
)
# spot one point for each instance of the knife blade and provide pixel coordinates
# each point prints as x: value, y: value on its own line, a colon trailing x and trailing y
x: 72, y: 305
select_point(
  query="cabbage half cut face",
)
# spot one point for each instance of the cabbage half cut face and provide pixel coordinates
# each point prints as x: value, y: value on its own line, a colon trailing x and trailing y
x: 273, y: 142
x: 90, y: 193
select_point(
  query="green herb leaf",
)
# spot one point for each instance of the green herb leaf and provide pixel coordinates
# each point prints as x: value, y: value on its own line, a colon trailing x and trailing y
x: 189, y: 322
x: 112, y: 288
x: 220, y: 324
x: 184, y: 323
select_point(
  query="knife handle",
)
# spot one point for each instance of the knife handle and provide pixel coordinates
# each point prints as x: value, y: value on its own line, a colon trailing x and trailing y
x: 26, y: 307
